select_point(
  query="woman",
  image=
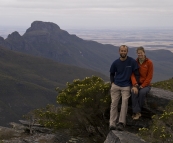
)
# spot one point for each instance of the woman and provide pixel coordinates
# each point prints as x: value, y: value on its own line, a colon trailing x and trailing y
x: 142, y: 87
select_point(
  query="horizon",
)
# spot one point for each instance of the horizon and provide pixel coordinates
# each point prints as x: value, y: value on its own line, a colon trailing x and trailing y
x: 149, y: 38
x: 22, y: 29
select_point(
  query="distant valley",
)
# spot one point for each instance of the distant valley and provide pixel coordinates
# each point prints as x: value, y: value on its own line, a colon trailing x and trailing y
x: 150, y: 38
x: 47, y: 39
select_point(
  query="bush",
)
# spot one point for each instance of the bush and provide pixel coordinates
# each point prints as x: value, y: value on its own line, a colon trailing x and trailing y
x: 83, y: 103
x: 161, y: 130
x: 166, y: 84
x: 92, y: 92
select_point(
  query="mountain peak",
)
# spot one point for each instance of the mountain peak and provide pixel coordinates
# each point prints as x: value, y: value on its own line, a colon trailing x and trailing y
x: 14, y: 35
x: 45, y: 26
x: 1, y: 38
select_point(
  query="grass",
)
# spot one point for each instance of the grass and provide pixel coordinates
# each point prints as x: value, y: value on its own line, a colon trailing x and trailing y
x: 166, y: 84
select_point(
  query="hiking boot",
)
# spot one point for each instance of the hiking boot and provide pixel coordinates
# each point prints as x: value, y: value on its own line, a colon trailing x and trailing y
x: 120, y: 127
x: 137, y: 116
x: 112, y: 128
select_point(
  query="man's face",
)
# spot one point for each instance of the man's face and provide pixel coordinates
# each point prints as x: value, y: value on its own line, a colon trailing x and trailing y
x: 123, y: 52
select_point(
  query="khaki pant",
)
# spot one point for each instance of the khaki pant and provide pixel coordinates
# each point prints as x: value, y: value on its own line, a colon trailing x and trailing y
x: 116, y: 93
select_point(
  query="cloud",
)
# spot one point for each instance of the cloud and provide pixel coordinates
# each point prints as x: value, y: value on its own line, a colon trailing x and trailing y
x: 104, y: 13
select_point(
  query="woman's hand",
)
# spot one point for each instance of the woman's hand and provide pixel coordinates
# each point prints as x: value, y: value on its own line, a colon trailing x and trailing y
x: 140, y: 87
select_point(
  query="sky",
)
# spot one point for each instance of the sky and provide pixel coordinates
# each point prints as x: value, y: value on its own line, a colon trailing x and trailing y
x: 88, y: 14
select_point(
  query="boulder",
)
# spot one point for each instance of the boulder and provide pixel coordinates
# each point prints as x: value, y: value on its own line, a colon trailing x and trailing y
x: 156, y: 100
x: 123, y: 137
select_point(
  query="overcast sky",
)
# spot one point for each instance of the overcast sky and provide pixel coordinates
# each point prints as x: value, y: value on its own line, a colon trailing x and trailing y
x: 88, y: 14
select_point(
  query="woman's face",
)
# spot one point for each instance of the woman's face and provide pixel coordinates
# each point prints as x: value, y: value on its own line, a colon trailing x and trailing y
x: 141, y: 54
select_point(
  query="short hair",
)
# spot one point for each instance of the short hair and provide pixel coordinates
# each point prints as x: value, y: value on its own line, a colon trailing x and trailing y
x: 140, y: 48
x: 123, y: 46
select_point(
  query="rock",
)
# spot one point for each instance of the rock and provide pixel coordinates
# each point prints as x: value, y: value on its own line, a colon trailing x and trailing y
x: 27, y: 123
x: 20, y: 133
x: 123, y: 137
x: 1, y: 39
x: 156, y: 101
x: 45, y: 26
x: 17, y: 126
x: 14, y: 35
x: 34, y: 127
x: 7, y: 133
x: 37, y: 138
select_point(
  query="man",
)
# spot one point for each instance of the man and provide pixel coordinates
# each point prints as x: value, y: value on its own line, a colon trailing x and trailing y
x: 120, y: 76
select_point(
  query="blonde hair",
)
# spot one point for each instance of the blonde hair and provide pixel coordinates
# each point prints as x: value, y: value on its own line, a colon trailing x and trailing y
x: 140, y: 48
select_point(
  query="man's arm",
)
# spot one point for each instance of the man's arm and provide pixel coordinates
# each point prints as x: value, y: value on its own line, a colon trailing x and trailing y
x: 135, y: 81
x: 135, y: 77
x: 112, y: 77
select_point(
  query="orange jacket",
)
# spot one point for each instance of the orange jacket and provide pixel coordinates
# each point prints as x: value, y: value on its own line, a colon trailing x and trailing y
x: 145, y: 72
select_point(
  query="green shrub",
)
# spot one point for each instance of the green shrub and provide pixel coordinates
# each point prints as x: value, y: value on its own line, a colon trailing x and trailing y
x: 83, y: 103
x: 166, y: 84
x: 92, y: 92
x: 161, y: 130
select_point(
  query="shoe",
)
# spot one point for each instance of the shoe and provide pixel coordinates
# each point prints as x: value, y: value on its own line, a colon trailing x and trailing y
x: 120, y: 127
x: 112, y: 128
x: 137, y: 116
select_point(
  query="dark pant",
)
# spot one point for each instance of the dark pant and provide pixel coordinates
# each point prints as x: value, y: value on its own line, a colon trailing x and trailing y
x: 138, y: 100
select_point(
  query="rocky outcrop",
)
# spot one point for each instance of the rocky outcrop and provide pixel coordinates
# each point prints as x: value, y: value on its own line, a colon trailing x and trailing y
x: 21, y: 133
x: 156, y: 101
x: 123, y: 137
x: 43, y: 26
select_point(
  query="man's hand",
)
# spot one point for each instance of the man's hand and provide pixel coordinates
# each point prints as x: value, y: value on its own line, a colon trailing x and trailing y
x: 134, y: 90
x: 112, y: 83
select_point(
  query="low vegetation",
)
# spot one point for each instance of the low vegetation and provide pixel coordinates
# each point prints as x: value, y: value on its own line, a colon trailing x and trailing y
x: 166, y: 84
x: 161, y: 130
x: 83, y: 103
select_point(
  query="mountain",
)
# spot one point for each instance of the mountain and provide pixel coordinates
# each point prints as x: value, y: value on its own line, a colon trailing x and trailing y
x: 28, y: 82
x: 46, y: 39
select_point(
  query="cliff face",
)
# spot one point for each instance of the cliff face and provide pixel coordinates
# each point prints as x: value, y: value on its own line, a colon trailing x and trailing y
x: 43, y: 26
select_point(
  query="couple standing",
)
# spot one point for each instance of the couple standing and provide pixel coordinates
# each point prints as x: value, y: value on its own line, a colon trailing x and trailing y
x: 129, y: 77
